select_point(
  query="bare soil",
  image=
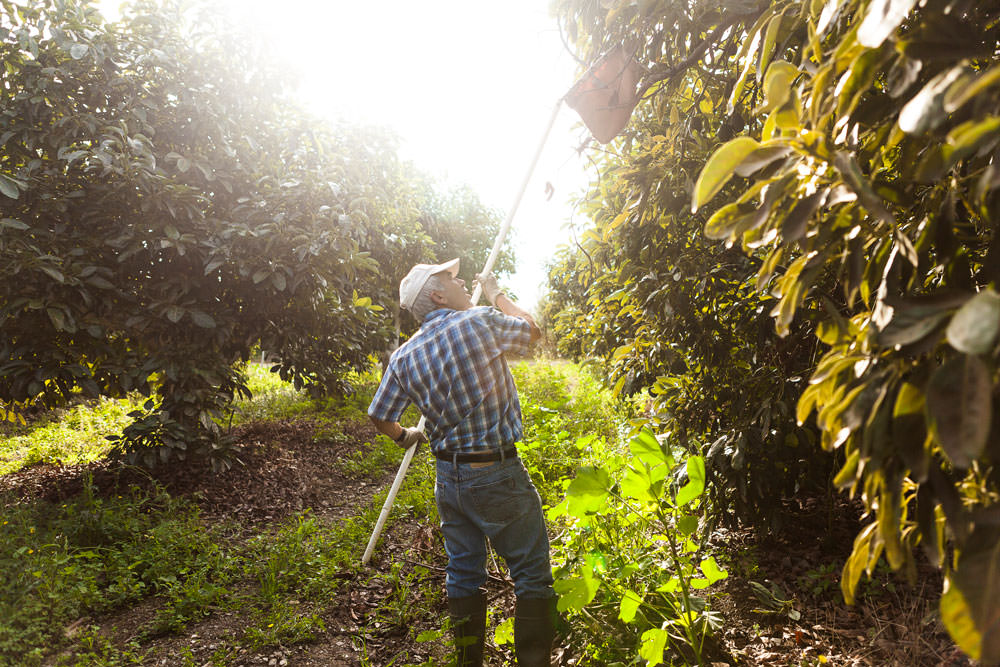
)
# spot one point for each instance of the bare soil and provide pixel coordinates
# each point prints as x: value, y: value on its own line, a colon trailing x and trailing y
x: 286, y: 469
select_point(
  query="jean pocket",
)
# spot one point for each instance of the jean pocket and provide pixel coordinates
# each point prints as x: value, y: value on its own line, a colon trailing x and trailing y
x: 501, y: 501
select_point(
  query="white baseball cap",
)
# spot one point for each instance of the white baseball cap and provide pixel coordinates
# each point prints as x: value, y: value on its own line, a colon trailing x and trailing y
x: 410, y: 286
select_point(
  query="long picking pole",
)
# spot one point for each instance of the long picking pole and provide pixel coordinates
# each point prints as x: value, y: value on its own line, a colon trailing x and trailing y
x: 476, y: 293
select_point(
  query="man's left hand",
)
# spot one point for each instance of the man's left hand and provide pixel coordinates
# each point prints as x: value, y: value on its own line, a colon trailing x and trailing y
x: 410, y: 437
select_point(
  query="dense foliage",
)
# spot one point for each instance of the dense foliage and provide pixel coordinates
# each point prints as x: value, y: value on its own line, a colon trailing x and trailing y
x: 846, y: 153
x: 165, y: 210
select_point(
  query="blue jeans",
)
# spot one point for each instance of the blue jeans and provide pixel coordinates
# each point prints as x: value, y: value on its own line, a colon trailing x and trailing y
x: 498, y: 502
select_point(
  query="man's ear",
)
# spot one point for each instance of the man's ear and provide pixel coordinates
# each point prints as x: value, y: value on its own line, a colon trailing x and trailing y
x: 437, y: 297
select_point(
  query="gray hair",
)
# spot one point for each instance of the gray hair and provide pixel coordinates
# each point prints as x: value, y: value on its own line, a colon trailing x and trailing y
x: 423, y: 304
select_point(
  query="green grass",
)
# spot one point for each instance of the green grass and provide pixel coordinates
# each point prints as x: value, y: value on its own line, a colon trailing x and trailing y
x: 77, y: 434
x: 67, y: 435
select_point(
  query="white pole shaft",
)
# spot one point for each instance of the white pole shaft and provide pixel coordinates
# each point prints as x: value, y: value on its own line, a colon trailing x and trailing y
x: 390, y: 499
x: 476, y: 293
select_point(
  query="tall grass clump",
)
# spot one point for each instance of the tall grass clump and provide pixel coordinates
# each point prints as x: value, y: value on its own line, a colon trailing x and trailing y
x: 68, y: 435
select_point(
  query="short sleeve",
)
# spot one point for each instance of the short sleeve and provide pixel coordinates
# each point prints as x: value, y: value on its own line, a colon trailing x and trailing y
x: 512, y: 334
x: 390, y: 401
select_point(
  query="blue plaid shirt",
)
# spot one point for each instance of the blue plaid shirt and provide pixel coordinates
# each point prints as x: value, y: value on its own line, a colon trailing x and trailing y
x: 454, y: 371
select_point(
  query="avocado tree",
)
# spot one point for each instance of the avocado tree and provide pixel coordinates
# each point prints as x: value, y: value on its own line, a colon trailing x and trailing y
x: 849, y: 149
x: 165, y: 209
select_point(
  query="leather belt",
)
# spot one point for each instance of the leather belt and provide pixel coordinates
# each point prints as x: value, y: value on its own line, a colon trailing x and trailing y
x: 478, y: 457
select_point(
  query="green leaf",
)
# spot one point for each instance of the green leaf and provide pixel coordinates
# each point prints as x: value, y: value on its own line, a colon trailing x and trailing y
x: 856, y: 562
x: 653, y: 643
x: 575, y: 593
x: 973, y: 329
x: 763, y: 156
x: 970, y: 604
x: 175, y: 313
x: 909, y: 429
x: 637, y: 484
x: 696, y: 481
x: 926, y: 110
x: 710, y: 568
x: 588, y: 492
x: 794, y: 226
x: 855, y: 179
x: 183, y: 164
x: 53, y: 273
x: 913, y: 318
x: 720, y: 168
x: 687, y: 524
x: 203, y: 320
x: 881, y: 20
x: 504, y: 634
x: 57, y: 317
x: 965, y: 89
x: 279, y: 282
x: 429, y: 636
x: 777, y: 85
x: 845, y: 477
x: 213, y: 264
x: 959, y: 404
x: 725, y: 223
x: 11, y: 223
x: 647, y: 449
x: 629, y: 606
x: 78, y: 51
x: 8, y: 187
x: 970, y: 138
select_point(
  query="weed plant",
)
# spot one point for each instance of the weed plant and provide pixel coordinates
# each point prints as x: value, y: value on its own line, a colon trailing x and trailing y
x: 92, y: 554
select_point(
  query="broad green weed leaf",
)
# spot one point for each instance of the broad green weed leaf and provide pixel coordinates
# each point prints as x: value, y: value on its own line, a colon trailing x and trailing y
x: 629, y: 606
x: 504, y: 634
x: 710, y: 568
x: 646, y: 448
x: 926, y: 110
x: 588, y: 492
x: 636, y: 484
x: 575, y: 593
x: 687, y: 524
x: 175, y: 313
x: 8, y: 187
x: 673, y: 584
x: 203, y: 320
x: 653, y: 643
x: 696, y: 481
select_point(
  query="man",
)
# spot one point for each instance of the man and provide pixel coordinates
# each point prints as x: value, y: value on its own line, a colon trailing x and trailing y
x: 453, y: 369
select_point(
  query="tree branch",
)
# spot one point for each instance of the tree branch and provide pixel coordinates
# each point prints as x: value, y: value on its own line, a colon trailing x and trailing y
x: 695, y: 53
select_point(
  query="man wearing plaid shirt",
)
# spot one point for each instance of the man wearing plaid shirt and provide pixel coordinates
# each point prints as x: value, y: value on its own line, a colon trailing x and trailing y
x: 453, y: 369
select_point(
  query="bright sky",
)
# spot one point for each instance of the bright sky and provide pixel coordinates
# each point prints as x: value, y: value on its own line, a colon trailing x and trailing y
x: 468, y: 85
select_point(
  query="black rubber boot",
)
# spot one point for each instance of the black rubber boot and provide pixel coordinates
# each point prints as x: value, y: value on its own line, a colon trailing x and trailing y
x: 534, y: 630
x: 468, y: 622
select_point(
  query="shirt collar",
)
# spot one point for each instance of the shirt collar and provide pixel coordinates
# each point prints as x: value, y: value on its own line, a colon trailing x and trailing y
x: 437, y: 314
